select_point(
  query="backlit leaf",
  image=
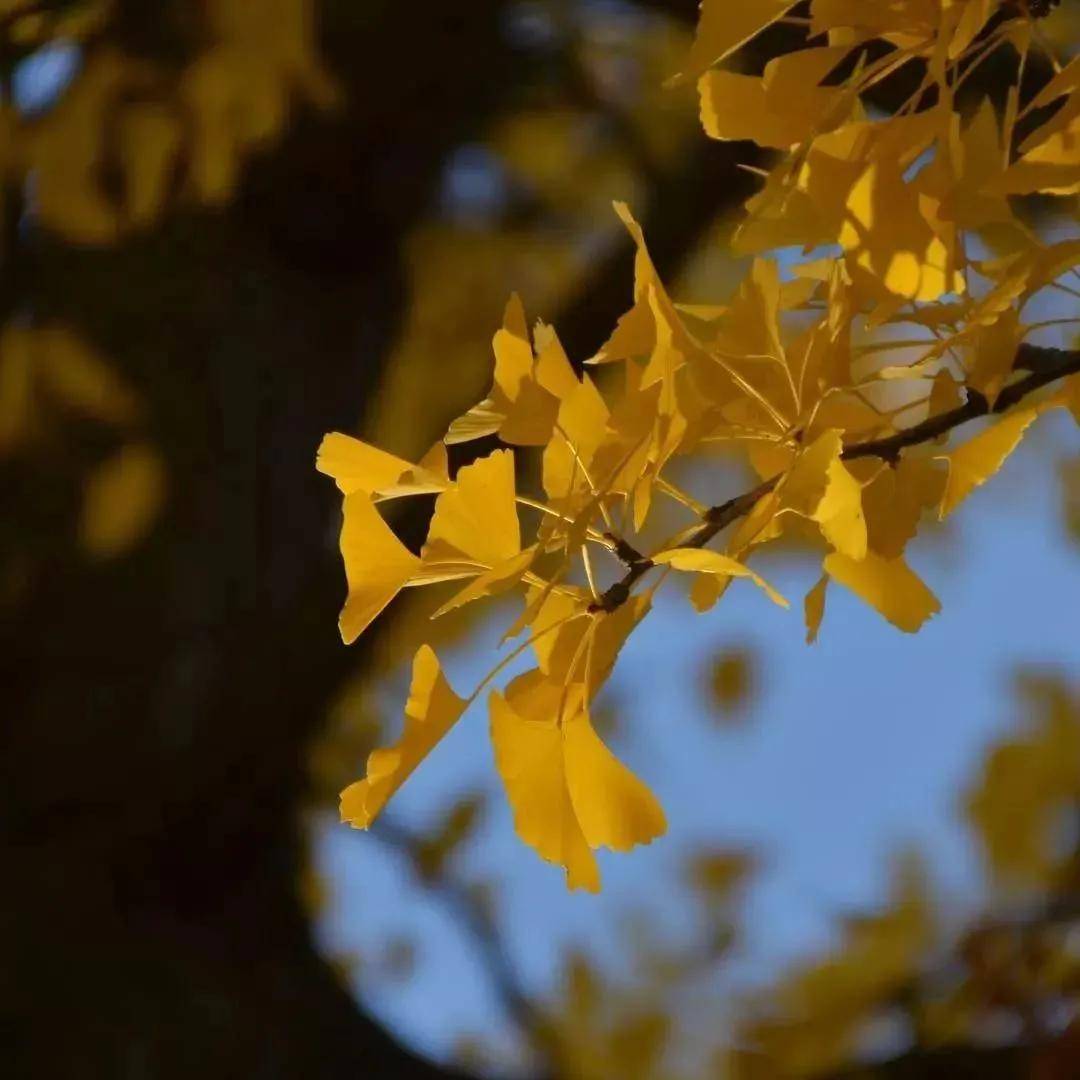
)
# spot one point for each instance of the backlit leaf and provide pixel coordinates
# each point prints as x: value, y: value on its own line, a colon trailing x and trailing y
x: 432, y: 709
x: 973, y: 463
x: 889, y: 585
x: 377, y: 565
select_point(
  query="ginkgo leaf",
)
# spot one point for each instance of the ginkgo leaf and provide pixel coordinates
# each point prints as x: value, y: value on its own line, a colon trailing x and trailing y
x: 820, y: 487
x: 431, y: 711
x: 704, y: 561
x: 636, y: 332
x: 580, y: 428
x: 525, y: 395
x: 492, y: 582
x: 840, y: 512
x: 973, y: 463
x: 783, y: 107
x: 895, y: 500
x: 377, y: 565
x: 557, y: 652
x: 734, y: 106
x: 476, y: 518
x: 814, y: 608
x: 569, y: 793
x: 611, y: 630
x: 355, y: 465
x: 723, y: 26
x: 530, y: 757
x: 891, y: 241
x: 806, y: 481
x: 614, y: 808
x: 889, y: 585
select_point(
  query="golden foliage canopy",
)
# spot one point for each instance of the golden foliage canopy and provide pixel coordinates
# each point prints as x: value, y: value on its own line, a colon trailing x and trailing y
x: 836, y: 375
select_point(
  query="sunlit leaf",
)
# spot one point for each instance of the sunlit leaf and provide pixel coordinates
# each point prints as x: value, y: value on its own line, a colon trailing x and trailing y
x: 377, y: 565
x: 703, y: 561
x: 432, y: 709
x: 889, y: 585
x: 974, y: 462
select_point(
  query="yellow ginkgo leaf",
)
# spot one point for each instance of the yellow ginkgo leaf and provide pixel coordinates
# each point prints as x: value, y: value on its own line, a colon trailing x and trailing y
x: 121, y: 501
x: 614, y: 808
x: 840, y: 512
x: 636, y: 332
x: 889, y: 585
x: 529, y: 755
x: 580, y: 428
x: 734, y: 106
x: 820, y: 487
x: 894, y: 501
x: 978, y: 459
x: 891, y: 241
x: 525, y: 394
x: 703, y: 561
x: 780, y: 109
x: 610, y: 633
x: 513, y: 363
x: 377, y: 565
x: 431, y: 711
x: 814, y: 608
x: 558, y: 653
x: 355, y: 465
x: 492, y: 582
x: 475, y: 519
x: 804, y: 486
x: 569, y: 793
x: 723, y: 26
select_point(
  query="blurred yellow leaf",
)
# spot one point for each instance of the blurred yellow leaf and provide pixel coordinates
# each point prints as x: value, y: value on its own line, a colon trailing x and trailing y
x: 121, y: 501
x: 731, y: 679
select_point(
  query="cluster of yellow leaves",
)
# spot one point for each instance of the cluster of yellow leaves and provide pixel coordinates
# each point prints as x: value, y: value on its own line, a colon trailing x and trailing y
x: 791, y: 374
x: 1018, y: 963
x: 811, y: 1021
x: 601, y: 1030
x: 159, y: 132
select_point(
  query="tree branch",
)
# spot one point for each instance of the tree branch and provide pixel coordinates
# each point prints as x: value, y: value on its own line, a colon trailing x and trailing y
x: 1044, y: 366
x: 469, y: 913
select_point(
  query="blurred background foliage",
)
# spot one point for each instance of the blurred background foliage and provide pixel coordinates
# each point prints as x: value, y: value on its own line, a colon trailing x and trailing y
x: 230, y: 226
